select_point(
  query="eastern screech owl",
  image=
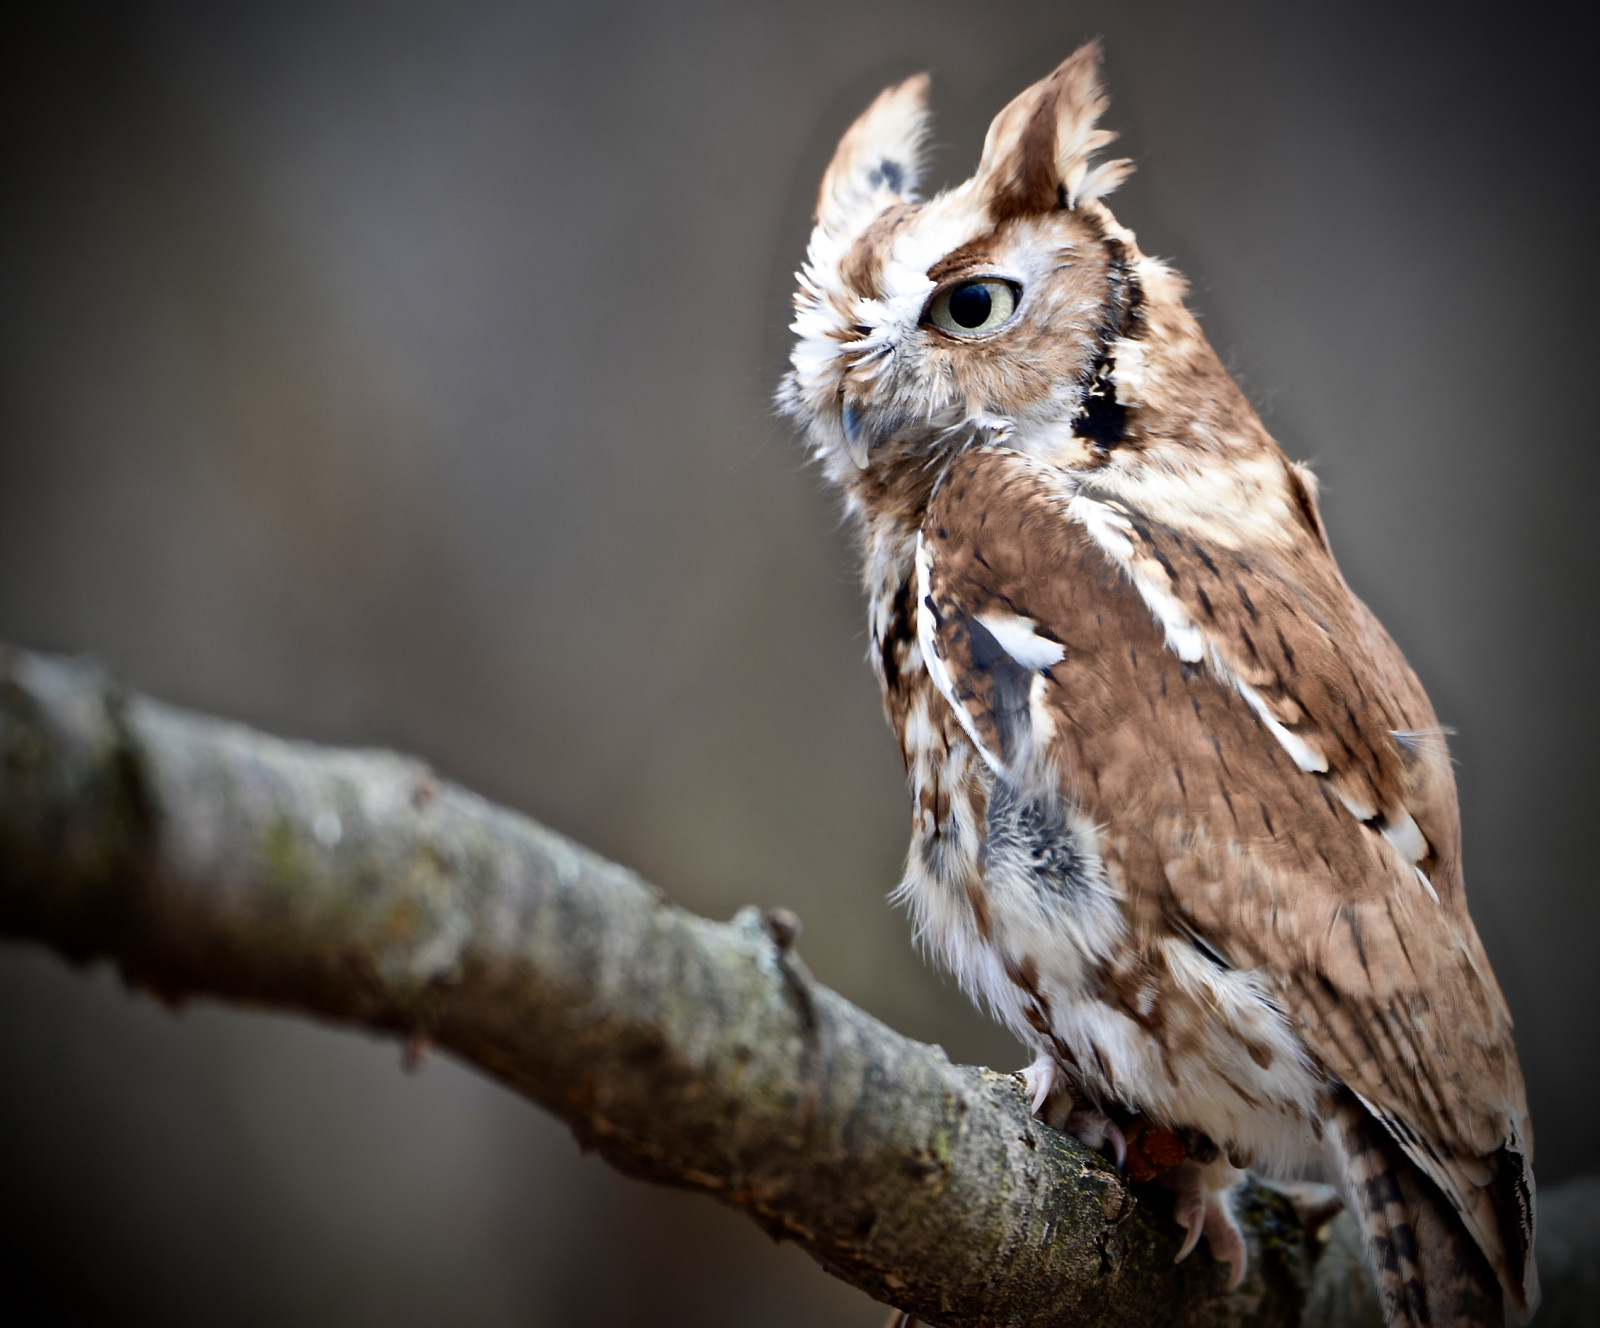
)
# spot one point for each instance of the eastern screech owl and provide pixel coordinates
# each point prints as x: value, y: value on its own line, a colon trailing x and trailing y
x: 1182, y: 814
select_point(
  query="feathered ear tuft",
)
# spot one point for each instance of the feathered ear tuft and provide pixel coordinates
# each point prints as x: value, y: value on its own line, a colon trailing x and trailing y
x: 1036, y: 155
x: 879, y: 159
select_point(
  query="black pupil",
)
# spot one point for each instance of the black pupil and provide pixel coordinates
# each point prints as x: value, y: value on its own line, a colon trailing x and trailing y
x: 970, y: 304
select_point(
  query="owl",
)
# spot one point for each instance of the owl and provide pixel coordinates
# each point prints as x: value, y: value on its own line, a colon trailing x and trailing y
x: 1182, y: 815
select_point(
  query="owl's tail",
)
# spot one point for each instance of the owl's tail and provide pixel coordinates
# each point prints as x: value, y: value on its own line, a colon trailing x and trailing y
x: 1429, y: 1270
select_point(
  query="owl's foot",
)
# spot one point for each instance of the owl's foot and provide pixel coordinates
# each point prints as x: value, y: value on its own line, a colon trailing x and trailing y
x: 1092, y: 1128
x: 1053, y: 1104
x: 1200, y: 1205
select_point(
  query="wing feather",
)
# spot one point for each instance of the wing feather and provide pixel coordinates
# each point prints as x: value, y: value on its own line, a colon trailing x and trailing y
x: 1191, y: 684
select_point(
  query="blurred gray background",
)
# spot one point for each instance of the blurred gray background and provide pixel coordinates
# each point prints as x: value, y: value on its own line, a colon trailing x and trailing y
x: 400, y: 374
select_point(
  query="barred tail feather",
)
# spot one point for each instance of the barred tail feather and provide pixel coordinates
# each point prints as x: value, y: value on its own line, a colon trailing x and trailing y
x: 1429, y: 1271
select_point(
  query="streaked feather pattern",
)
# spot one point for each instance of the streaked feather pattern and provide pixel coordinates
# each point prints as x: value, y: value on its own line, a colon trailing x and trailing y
x: 1182, y: 815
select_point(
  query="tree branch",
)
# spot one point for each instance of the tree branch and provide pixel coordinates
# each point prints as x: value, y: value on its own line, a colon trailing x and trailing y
x: 205, y: 859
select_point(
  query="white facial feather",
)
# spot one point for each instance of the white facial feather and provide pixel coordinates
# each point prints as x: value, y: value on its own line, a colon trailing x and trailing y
x: 879, y: 160
x: 862, y: 362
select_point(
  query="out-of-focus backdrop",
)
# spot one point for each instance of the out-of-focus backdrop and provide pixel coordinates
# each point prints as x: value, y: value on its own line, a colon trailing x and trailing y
x: 400, y: 374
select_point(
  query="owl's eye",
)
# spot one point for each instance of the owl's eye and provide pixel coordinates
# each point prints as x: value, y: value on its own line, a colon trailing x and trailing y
x: 971, y: 307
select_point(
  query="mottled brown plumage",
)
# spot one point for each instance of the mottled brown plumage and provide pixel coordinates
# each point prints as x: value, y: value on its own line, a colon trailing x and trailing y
x: 1182, y: 814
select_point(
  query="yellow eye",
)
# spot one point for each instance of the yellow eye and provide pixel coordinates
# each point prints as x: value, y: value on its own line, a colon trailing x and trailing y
x: 972, y: 307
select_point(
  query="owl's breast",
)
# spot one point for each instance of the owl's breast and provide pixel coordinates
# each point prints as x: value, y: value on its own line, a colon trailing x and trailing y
x: 1007, y: 883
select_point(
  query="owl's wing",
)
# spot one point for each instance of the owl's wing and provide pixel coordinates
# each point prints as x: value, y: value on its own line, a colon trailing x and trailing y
x: 1267, y: 774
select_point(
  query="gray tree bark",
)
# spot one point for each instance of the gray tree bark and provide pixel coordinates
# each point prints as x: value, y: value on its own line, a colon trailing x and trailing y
x: 204, y: 859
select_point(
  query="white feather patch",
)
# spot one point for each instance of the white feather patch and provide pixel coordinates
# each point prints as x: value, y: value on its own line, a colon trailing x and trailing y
x: 934, y: 662
x: 1362, y: 811
x: 1129, y: 374
x: 1401, y: 830
x: 1018, y: 639
x: 1114, y: 535
x: 1301, y: 752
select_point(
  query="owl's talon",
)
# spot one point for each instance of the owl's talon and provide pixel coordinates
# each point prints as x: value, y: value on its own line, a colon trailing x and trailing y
x: 1189, y: 1212
x: 1092, y: 1128
x: 1200, y: 1206
x: 1119, y: 1143
x: 1227, y: 1242
x: 1053, y: 1104
x: 1040, y: 1081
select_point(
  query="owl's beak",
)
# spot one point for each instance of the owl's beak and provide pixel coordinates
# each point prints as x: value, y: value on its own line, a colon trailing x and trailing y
x: 857, y: 440
x: 865, y: 430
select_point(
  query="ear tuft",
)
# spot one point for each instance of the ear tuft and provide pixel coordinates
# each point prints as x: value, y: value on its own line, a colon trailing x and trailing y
x: 1037, y: 153
x: 879, y: 159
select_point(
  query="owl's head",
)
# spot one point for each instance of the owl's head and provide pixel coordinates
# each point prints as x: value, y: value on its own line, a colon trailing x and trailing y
x: 1000, y: 310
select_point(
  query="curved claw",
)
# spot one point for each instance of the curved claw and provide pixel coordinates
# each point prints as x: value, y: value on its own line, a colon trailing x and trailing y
x: 1119, y: 1144
x: 1200, y: 1206
x: 1189, y: 1210
x: 1040, y: 1081
x: 1226, y: 1240
x: 1092, y: 1128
